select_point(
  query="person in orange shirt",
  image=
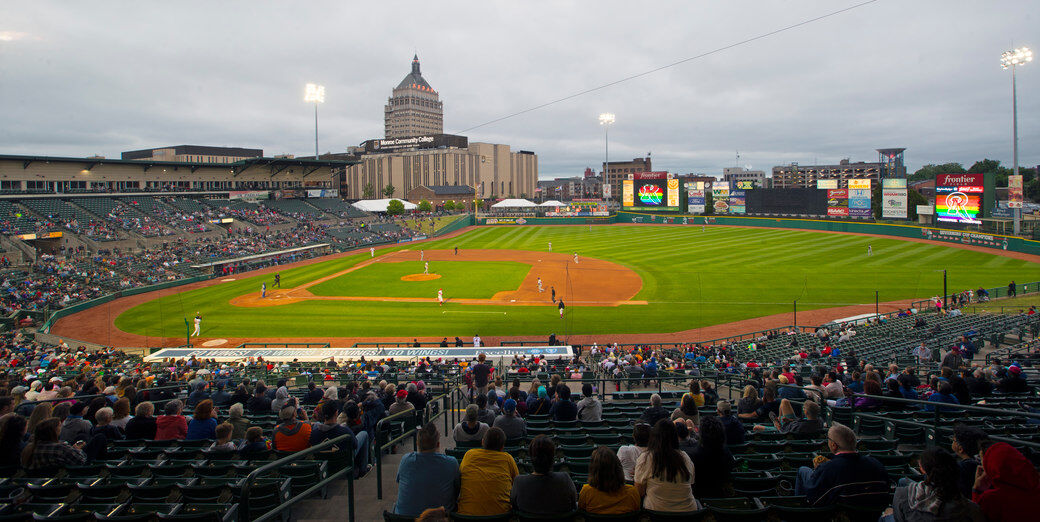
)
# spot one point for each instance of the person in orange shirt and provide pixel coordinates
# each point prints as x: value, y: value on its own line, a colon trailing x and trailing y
x: 292, y: 434
x: 606, y: 493
x: 487, y: 477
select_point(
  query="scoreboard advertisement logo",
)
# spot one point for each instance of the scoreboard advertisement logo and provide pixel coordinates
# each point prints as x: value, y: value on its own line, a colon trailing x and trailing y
x: 656, y: 191
x: 958, y: 197
x: 1015, y: 195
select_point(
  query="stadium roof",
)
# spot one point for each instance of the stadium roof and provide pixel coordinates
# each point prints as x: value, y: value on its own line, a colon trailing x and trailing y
x: 514, y: 203
x: 451, y: 190
x: 242, y: 164
x: 201, y: 150
x: 552, y: 203
x: 379, y: 205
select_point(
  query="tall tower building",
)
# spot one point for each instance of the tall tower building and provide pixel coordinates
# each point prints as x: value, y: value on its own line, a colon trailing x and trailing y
x: 414, y: 108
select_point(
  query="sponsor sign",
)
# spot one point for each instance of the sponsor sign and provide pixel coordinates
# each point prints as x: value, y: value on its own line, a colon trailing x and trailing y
x: 1002, y: 212
x: 893, y: 203
x: 673, y: 193
x: 859, y: 184
x: 252, y: 195
x: 322, y: 193
x: 827, y: 184
x: 720, y: 197
x: 893, y: 183
x: 737, y: 202
x: 925, y: 210
x: 1015, y: 196
x: 428, y: 141
x: 745, y: 185
x: 958, y: 197
x: 606, y: 191
x: 859, y: 202
x: 341, y: 354
x: 838, y: 202
x: 695, y: 201
x: 967, y: 238
x: 626, y: 192
x: 505, y: 221
x: 838, y: 211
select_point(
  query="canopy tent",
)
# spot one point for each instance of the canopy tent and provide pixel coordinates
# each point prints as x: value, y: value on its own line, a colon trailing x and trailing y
x: 552, y: 203
x: 514, y: 203
x: 379, y: 205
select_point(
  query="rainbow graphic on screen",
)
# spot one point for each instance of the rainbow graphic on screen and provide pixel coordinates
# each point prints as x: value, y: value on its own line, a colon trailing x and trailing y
x: 957, y: 207
x: 650, y: 195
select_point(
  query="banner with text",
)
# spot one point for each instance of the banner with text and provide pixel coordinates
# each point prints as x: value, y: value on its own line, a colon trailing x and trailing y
x: 859, y: 200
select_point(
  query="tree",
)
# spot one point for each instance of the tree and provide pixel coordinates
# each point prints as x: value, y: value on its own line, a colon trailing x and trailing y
x: 424, y: 206
x: 929, y: 171
x: 914, y: 198
x: 388, y: 191
x: 709, y: 203
x: 368, y: 191
x: 988, y: 166
x: 449, y: 205
x: 477, y: 204
x: 395, y: 208
x: 1031, y: 189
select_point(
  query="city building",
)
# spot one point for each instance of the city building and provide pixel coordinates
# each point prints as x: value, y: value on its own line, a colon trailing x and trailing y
x: 413, y: 108
x: 567, y: 189
x: 193, y: 154
x: 739, y: 174
x: 492, y: 170
x: 616, y: 171
x: 889, y: 165
x: 437, y: 195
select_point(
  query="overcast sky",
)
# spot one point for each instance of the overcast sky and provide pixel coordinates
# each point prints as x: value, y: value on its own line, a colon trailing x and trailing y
x: 82, y: 78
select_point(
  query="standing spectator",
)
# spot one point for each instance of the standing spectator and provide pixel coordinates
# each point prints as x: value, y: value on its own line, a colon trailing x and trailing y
x: 171, y: 425
x: 543, y: 492
x: 470, y: 429
x: 590, y: 409
x: 629, y: 454
x: 481, y: 372
x: 1006, y: 487
x: 203, y: 424
x: 606, y: 492
x: 510, y: 423
x: 936, y: 497
x: 487, y: 477
x: 664, y: 475
x: 143, y: 426
x: 427, y: 478
x: 291, y: 434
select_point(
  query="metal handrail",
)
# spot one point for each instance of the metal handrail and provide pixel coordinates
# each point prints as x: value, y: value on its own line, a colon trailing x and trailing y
x: 252, y: 476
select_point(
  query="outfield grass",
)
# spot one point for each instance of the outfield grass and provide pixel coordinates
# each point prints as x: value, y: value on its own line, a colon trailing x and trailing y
x: 1006, y: 305
x: 459, y: 279
x: 691, y: 278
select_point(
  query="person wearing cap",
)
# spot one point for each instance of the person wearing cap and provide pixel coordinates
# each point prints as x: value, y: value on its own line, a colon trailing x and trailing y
x: 1013, y: 382
x: 401, y: 402
x: 510, y: 423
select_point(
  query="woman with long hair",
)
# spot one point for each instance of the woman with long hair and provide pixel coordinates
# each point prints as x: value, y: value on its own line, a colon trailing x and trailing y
x: 687, y: 409
x: 41, y: 412
x: 749, y: 402
x: 45, y: 452
x: 12, y: 439
x: 713, y: 459
x: 121, y: 413
x: 606, y: 492
x: 937, y: 496
x: 203, y: 424
x: 664, y: 475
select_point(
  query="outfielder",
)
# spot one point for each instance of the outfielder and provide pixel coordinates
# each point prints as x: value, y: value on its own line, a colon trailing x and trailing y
x: 263, y: 289
x: 550, y: 246
x: 372, y: 251
x: 198, y: 325
x: 422, y: 254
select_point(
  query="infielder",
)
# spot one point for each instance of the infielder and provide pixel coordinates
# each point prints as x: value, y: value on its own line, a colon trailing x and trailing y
x: 440, y: 296
x: 426, y: 267
x: 277, y: 279
x: 553, y: 290
x: 263, y: 289
x: 550, y: 246
x: 422, y: 255
x: 372, y: 250
x: 575, y: 258
x: 540, y: 285
x: 561, y: 306
x: 198, y: 325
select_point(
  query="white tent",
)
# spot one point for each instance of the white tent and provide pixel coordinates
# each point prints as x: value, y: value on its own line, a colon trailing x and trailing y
x: 379, y: 205
x: 514, y: 203
x: 553, y: 203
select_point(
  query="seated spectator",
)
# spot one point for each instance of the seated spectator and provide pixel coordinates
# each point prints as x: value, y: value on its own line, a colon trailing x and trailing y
x: 221, y: 397
x: 291, y: 434
x: 825, y: 483
x: 259, y: 403
x: 510, y: 423
x: 789, y: 392
x: 281, y: 399
x: 121, y: 413
x: 203, y: 424
x: 563, y: 409
x: 427, y: 478
x: 936, y: 497
x: 540, y: 405
x: 484, y: 414
x: 544, y: 492
x: 12, y: 440
x: 401, y: 403
x: 254, y: 443
x: 687, y: 438
x: 590, y: 409
x: 75, y: 427
x: 104, y: 426
x: 46, y: 452
x: 872, y: 388
x: 664, y: 475
x: 470, y: 429
x: 1007, y: 487
x: 712, y: 460
x: 734, y: 428
x: 629, y: 454
x: 769, y: 405
x: 236, y: 416
x: 487, y: 475
x: 965, y: 444
x: 199, y: 394
x: 788, y: 422
x: 943, y: 395
x: 655, y: 412
x: 143, y: 426
x: 171, y: 425
x: 687, y: 410
x: 223, y: 442
x: 606, y: 492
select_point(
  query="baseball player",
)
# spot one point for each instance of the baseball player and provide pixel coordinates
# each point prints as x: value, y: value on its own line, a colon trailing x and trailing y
x: 550, y: 246
x: 440, y: 296
x: 372, y: 251
x: 870, y: 250
x: 426, y: 267
x: 198, y: 325
x: 263, y: 290
x: 277, y: 280
x: 561, y: 306
x: 575, y: 258
x: 553, y: 290
x: 456, y: 250
x: 422, y: 255
x: 540, y: 285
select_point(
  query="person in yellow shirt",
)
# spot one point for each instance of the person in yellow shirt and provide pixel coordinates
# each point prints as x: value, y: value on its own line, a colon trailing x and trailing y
x: 606, y: 493
x: 487, y: 477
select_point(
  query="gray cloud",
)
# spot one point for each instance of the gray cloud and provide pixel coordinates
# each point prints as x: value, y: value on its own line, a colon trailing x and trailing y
x: 92, y: 77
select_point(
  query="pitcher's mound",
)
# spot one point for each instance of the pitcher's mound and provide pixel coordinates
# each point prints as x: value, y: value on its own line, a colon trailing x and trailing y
x: 420, y: 277
x: 214, y: 342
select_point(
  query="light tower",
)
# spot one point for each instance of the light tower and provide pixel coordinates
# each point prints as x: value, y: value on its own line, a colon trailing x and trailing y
x: 316, y: 94
x: 1011, y: 60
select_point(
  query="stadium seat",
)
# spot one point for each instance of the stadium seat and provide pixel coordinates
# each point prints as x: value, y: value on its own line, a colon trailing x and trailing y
x: 504, y: 517
x: 796, y: 509
x: 684, y: 516
x: 634, y: 516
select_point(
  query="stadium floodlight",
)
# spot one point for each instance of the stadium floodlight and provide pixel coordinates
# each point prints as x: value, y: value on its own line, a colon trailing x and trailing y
x: 1011, y: 60
x: 606, y: 119
x: 315, y: 94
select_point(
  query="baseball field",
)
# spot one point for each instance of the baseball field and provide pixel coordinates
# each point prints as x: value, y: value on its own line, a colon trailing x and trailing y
x: 626, y: 280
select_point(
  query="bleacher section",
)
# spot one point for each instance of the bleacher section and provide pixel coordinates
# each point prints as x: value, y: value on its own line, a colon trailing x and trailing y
x: 294, y: 208
x: 14, y: 221
x: 337, y: 207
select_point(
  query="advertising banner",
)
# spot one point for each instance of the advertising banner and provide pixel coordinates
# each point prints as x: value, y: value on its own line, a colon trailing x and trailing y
x: 626, y: 193
x: 925, y: 210
x: 720, y: 197
x: 737, y: 202
x: 673, y: 193
x: 827, y: 184
x: 695, y: 201
x: 745, y: 185
x: 967, y: 238
x: 893, y: 183
x: 893, y: 203
x: 1015, y: 196
x: 322, y: 193
x: 606, y: 190
x: 859, y: 202
x: 341, y: 354
x: 958, y: 197
x: 859, y: 184
x: 249, y: 194
x: 838, y: 202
